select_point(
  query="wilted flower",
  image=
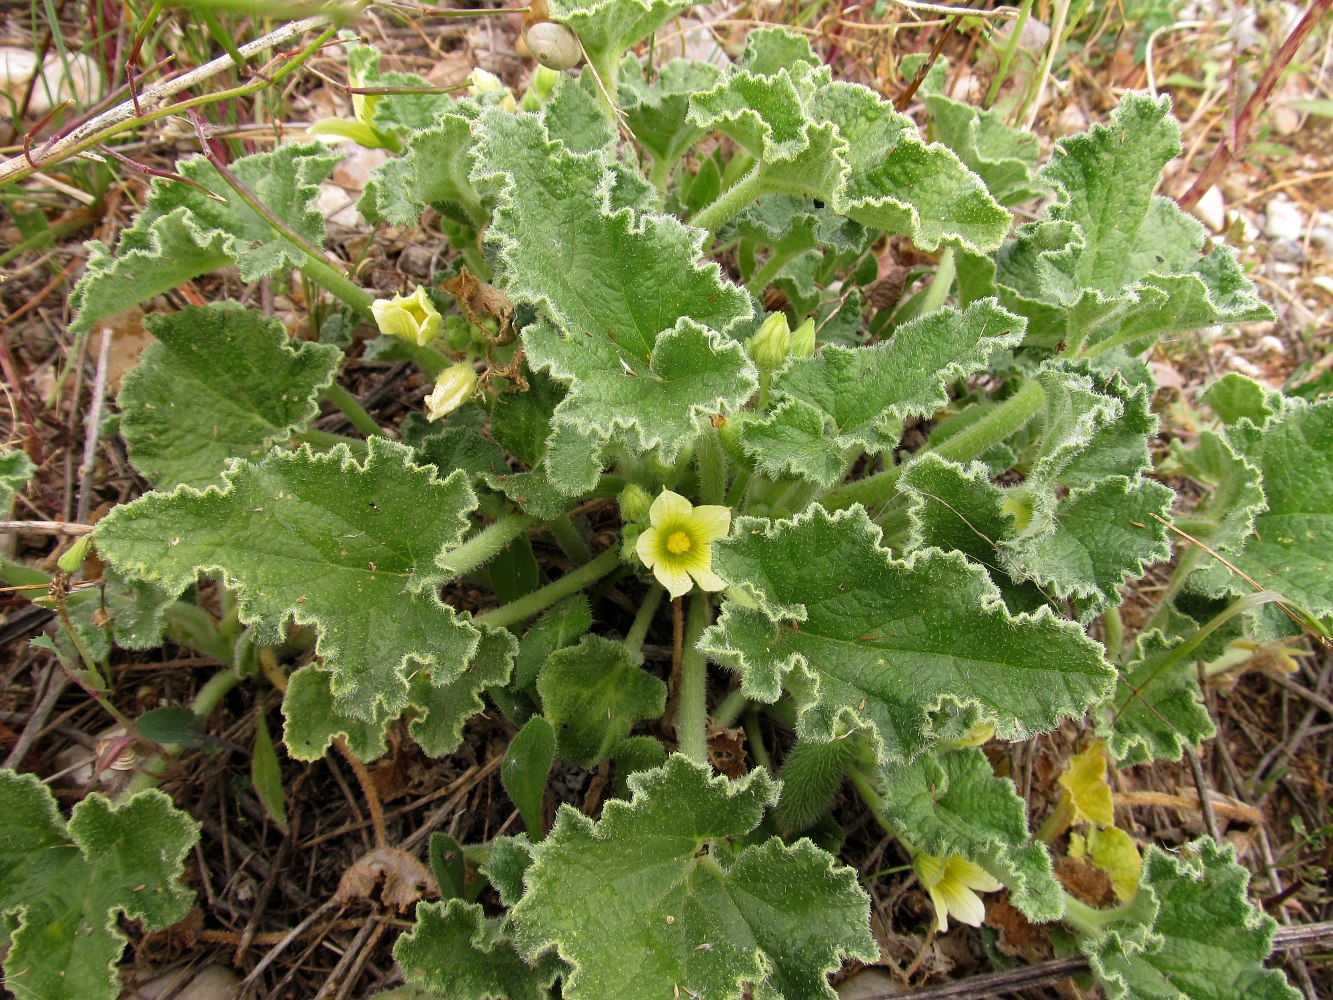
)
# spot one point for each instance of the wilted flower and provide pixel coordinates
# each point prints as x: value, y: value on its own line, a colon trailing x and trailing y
x: 678, y: 545
x: 412, y: 317
x: 452, y: 389
x: 953, y: 884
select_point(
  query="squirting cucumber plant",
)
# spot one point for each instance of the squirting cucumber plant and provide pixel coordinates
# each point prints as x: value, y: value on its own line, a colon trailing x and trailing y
x: 604, y: 339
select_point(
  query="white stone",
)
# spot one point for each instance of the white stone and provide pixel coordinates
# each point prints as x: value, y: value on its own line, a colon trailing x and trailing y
x: 1283, y: 220
x: 1269, y: 344
x: 1212, y: 210
x: 212, y: 982
x: 1243, y: 365
x: 1324, y: 283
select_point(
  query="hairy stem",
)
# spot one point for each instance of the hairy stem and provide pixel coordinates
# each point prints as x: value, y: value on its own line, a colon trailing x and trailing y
x: 731, y: 201
x: 352, y: 410
x: 940, y: 285
x: 643, y: 618
x: 731, y: 708
x: 539, y: 600
x: 692, y: 722
x: 994, y: 427
x: 712, y: 463
x: 570, y: 539
x: 486, y: 544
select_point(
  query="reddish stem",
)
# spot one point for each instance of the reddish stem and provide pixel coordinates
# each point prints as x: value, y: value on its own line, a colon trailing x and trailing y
x: 1234, y: 145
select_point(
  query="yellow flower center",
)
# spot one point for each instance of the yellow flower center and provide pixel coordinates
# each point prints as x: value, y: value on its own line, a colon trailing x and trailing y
x: 678, y: 543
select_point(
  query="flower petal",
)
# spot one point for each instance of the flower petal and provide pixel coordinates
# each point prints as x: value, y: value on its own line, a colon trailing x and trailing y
x: 676, y: 581
x: 648, y: 547
x: 972, y: 875
x: 669, y: 507
x: 941, y: 910
x: 708, y: 580
x: 963, y: 903
x: 711, y: 523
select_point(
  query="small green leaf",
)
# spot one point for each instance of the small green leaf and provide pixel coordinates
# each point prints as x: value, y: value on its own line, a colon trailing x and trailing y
x: 863, y: 640
x: 649, y: 881
x: 859, y: 398
x: 656, y: 110
x: 641, y: 348
x: 368, y: 585
x: 593, y: 693
x: 607, y: 28
x: 16, y: 469
x: 954, y: 804
x: 506, y: 868
x: 1233, y: 397
x: 556, y: 629
x: 1004, y: 158
x: 1206, y: 940
x: 457, y: 954
x: 1157, y: 708
x: 526, y: 767
x: 1110, y: 259
x: 433, y: 170
x: 514, y: 571
x: 221, y: 382
x: 182, y: 233
x: 63, y: 888
x: 266, y: 774
x: 1291, y: 547
x: 447, y: 865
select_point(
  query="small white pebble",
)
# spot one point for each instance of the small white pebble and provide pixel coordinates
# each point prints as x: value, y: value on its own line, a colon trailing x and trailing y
x: 1283, y: 220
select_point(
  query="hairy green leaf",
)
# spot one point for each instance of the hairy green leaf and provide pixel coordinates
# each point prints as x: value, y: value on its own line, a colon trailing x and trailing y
x: 16, y: 469
x: 607, y: 28
x: 954, y: 804
x: 183, y: 233
x: 1110, y: 259
x: 368, y: 585
x: 527, y: 765
x: 813, y: 137
x: 1157, y: 709
x: 593, y: 693
x: 1206, y: 940
x: 861, y: 639
x: 63, y: 887
x: 1290, y: 548
x: 641, y: 349
x: 858, y: 398
x: 458, y: 954
x: 221, y: 382
x: 433, y: 170
x: 647, y: 896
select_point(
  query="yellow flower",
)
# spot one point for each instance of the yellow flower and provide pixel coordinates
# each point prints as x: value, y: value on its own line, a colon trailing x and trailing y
x: 412, y: 317
x: 678, y: 545
x: 953, y: 884
x: 453, y: 388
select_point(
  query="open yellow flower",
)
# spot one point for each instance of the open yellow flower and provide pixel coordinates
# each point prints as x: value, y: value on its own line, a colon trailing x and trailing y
x: 953, y: 884
x: 412, y: 317
x: 678, y: 544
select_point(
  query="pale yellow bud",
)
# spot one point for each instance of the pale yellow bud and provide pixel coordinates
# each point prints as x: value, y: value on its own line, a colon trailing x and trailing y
x: 452, y: 389
x: 412, y: 317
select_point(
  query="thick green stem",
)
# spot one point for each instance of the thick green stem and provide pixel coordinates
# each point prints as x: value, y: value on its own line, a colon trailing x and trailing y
x: 1090, y: 922
x: 941, y: 284
x: 731, y: 708
x: 193, y: 627
x: 486, y: 544
x: 428, y: 359
x: 324, y: 440
x: 353, y: 410
x: 1113, y: 632
x: 712, y: 463
x: 692, y: 725
x: 967, y: 444
x: 659, y: 174
x: 873, y: 800
x: 767, y: 272
x: 570, y: 539
x: 643, y: 618
x: 754, y: 737
x: 539, y: 600
x: 731, y: 201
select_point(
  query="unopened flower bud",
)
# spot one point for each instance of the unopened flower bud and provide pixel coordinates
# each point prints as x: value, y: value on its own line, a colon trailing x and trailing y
x: 544, y: 80
x: 771, y: 342
x: 452, y: 389
x: 803, y: 340
x: 412, y: 317
x: 482, y: 82
x: 634, y: 502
